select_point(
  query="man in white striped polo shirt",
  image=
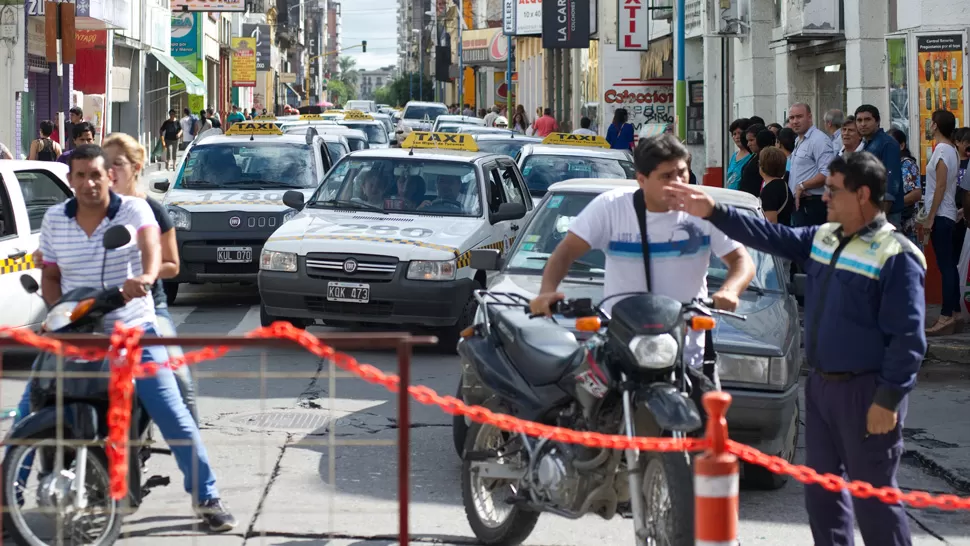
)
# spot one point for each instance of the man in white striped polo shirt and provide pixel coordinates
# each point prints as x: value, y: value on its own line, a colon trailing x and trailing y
x: 71, y: 243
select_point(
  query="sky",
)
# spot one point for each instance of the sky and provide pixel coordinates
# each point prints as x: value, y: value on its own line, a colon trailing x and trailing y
x: 376, y: 22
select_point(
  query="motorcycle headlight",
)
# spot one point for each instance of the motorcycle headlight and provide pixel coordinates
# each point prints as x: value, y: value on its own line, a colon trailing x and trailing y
x: 424, y: 270
x: 180, y: 217
x: 271, y: 260
x: 59, y: 316
x: 655, y: 352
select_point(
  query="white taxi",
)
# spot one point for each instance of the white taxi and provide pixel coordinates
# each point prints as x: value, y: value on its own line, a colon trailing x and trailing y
x: 226, y: 198
x: 455, y: 120
x: 387, y: 237
x: 375, y: 130
x: 564, y: 156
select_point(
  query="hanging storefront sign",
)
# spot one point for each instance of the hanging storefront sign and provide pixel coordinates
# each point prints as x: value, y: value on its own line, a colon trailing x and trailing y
x: 484, y: 47
x: 941, y: 74
x: 260, y: 33
x: 632, y: 25
x: 649, y: 103
x: 522, y: 17
x: 208, y: 5
x: 244, y: 62
x: 187, y: 50
x: 565, y: 24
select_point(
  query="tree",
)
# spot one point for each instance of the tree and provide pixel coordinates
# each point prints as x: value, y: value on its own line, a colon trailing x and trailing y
x: 406, y: 87
x: 340, y: 92
x: 348, y: 73
x: 385, y: 95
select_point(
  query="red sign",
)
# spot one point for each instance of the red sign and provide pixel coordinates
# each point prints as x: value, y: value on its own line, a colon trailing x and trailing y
x: 91, y: 39
x: 633, y: 25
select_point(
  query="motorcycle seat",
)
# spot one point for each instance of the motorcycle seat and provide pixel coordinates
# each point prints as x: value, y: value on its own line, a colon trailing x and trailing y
x: 541, y: 350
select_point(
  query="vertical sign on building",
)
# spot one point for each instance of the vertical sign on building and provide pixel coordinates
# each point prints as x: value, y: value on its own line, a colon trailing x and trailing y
x: 565, y: 24
x: 187, y: 50
x: 632, y: 25
x: 508, y: 16
x: 940, y: 72
x: 259, y: 33
x: 243, y: 62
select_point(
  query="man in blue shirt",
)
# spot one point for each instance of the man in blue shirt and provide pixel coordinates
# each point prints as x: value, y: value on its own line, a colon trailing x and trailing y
x: 864, y: 318
x: 886, y: 149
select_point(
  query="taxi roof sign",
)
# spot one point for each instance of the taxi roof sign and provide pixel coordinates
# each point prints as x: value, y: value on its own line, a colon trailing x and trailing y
x: 357, y: 115
x: 569, y: 139
x: 250, y: 128
x: 311, y: 117
x: 441, y: 141
x: 268, y: 117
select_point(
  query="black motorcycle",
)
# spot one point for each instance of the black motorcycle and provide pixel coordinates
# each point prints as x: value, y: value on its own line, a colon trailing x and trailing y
x: 627, y: 377
x: 63, y: 436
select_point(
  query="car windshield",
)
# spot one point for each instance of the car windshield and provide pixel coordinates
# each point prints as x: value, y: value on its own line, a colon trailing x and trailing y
x: 248, y: 164
x: 551, y: 222
x: 404, y: 186
x: 508, y: 147
x: 542, y: 171
x: 420, y: 112
x: 376, y: 134
x: 448, y: 128
x: 336, y: 150
x: 356, y: 143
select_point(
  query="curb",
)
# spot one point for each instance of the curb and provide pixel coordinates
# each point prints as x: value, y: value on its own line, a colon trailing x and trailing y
x: 934, y: 468
x: 953, y: 349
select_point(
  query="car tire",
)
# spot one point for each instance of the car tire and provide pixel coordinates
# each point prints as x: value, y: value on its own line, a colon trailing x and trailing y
x: 265, y: 319
x: 171, y: 291
x: 759, y: 477
x: 448, y: 337
x: 459, y: 426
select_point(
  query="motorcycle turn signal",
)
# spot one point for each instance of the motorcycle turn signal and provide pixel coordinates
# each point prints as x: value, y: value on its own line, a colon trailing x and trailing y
x: 702, y: 323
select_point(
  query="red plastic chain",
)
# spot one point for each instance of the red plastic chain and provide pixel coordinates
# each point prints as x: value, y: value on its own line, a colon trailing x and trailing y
x: 127, y: 367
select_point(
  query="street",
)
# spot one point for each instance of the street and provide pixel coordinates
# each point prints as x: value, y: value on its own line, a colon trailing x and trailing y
x: 268, y: 443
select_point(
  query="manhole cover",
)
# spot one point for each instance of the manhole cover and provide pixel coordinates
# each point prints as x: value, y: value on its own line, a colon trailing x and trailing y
x: 283, y: 420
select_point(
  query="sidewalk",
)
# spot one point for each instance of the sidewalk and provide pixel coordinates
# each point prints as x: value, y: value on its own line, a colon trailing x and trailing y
x: 947, y: 357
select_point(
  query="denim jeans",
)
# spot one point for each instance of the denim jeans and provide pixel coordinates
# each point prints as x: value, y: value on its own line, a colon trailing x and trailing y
x: 166, y: 328
x: 941, y: 236
x: 160, y: 396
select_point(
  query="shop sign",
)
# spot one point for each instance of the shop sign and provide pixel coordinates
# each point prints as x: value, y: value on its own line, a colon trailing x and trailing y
x: 632, y: 25
x: 36, y: 40
x: 565, y: 24
x: 484, y: 46
x: 522, y: 17
x: 940, y: 71
x: 261, y: 34
x: 648, y: 102
x: 186, y: 47
x: 208, y: 5
x: 244, y: 62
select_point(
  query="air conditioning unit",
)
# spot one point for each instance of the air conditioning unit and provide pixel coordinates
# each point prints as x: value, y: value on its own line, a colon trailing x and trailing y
x: 731, y: 17
x: 662, y: 10
x: 813, y: 20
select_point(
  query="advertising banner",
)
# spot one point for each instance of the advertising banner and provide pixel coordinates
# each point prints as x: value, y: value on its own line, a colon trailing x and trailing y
x: 649, y: 103
x: 243, y: 62
x: 260, y: 33
x: 565, y: 24
x: 522, y: 17
x: 632, y: 25
x: 208, y: 5
x: 187, y: 50
x: 482, y: 47
x: 940, y: 72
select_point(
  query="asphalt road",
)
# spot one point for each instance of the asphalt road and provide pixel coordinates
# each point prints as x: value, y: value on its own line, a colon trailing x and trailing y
x: 267, y: 439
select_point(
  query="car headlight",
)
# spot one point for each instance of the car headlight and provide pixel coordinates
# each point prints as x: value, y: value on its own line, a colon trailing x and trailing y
x: 180, y: 217
x: 59, y: 316
x: 424, y: 270
x: 271, y: 260
x: 744, y: 368
x: 289, y: 214
x: 655, y: 352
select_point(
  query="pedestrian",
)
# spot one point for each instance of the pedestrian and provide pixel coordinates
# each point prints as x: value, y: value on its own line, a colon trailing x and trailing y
x: 775, y: 128
x: 204, y: 122
x: 584, y: 129
x: 75, y: 116
x: 490, y: 117
x: 620, y: 132
x: 545, y: 124
x: 468, y: 111
x: 851, y: 139
x: 832, y: 124
x: 776, y: 200
x: 809, y: 166
x: 82, y: 133
x: 786, y: 141
x: 863, y: 354
x: 170, y: 133
x: 739, y: 158
x: 45, y: 148
x: 758, y: 138
x: 520, y: 122
x: 912, y: 187
x: 940, y: 200
x: 885, y: 147
x: 190, y: 127
x: 235, y: 117
x: 214, y: 118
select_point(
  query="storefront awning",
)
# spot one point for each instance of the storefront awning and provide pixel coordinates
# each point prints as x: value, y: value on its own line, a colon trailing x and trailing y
x: 290, y: 87
x: 193, y: 85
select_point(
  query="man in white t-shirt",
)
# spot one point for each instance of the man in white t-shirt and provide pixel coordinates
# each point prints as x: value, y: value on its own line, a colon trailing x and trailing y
x: 189, y: 125
x: 680, y: 245
x: 584, y: 129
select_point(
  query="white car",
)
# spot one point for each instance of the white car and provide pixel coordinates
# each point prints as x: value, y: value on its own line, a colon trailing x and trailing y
x: 27, y: 190
x: 374, y: 130
x: 457, y: 120
x: 356, y: 139
x: 420, y: 116
x: 397, y: 253
x: 564, y: 156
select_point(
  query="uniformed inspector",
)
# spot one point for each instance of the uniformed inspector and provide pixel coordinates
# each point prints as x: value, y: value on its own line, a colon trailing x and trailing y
x: 864, y: 319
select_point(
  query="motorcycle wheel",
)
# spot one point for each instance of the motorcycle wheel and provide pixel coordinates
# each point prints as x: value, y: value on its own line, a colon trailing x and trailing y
x: 668, y: 510
x: 518, y: 522
x: 459, y: 427
x: 14, y: 522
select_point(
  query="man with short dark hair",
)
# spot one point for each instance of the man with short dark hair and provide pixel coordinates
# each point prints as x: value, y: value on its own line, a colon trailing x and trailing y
x: 584, y: 129
x: 82, y: 134
x: 884, y: 147
x: 864, y: 317
x: 75, y: 116
x: 170, y: 134
x: 235, y: 117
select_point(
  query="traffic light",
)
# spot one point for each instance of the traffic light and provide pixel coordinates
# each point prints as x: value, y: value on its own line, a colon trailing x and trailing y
x: 363, y: 46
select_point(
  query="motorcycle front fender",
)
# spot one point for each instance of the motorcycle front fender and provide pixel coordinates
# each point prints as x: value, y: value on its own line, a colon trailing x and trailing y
x: 79, y: 421
x: 671, y: 409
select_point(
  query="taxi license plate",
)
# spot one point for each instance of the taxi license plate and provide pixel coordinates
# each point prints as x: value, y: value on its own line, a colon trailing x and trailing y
x: 234, y: 254
x: 348, y: 292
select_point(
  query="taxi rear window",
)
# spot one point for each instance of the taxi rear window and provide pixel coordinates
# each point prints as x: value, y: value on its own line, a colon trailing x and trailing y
x: 542, y: 171
x: 249, y: 165
x: 375, y: 133
x: 400, y: 185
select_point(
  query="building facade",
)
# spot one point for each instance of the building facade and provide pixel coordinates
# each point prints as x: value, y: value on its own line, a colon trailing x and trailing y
x: 372, y: 80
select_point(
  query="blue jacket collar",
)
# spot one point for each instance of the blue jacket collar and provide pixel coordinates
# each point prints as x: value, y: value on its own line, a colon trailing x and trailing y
x: 114, y: 205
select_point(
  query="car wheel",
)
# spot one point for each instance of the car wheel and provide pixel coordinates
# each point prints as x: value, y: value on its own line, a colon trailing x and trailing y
x: 265, y: 319
x: 459, y: 426
x: 448, y: 337
x: 759, y: 477
x: 171, y: 291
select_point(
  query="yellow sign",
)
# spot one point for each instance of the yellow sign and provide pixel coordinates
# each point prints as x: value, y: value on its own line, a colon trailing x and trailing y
x: 244, y: 62
x: 441, y: 141
x: 594, y: 141
x: 357, y: 115
x: 253, y: 128
x: 311, y: 117
x: 265, y: 118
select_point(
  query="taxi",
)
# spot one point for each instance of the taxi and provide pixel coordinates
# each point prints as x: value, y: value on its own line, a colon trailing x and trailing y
x: 503, y: 142
x: 387, y: 237
x: 375, y: 130
x: 564, y: 156
x: 356, y: 139
x: 226, y: 198
x: 456, y: 120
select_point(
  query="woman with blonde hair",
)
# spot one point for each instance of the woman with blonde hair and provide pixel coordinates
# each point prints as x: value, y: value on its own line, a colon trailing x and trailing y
x: 126, y: 159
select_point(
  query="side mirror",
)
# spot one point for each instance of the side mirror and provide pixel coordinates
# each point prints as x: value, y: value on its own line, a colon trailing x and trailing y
x: 29, y: 284
x: 486, y: 259
x: 798, y: 285
x: 399, y: 132
x: 161, y: 186
x: 294, y: 200
x: 508, y: 211
x: 116, y: 237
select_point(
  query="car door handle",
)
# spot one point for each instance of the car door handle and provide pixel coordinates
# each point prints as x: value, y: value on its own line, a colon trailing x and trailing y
x: 514, y: 227
x: 17, y: 255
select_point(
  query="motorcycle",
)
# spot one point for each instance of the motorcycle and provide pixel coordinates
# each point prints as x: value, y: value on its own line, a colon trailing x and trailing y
x: 64, y: 434
x: 627, y: 377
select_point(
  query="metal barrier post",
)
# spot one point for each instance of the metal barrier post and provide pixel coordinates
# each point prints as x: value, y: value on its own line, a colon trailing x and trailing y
x: 403, y: 440
x: 716, y: 480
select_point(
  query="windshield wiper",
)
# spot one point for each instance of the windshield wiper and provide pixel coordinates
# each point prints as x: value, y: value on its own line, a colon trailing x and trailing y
x: 587, y: 265
x: 350, y: 204
x: 200, y: 184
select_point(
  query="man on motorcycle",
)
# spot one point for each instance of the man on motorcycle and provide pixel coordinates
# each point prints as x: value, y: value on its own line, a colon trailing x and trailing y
x: 71, y: 234
x: 679, y: 245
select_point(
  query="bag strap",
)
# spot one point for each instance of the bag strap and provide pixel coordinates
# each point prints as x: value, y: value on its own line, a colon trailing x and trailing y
x: 641, y: 209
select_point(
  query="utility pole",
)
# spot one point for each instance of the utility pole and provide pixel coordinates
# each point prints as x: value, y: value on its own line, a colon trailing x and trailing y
x: 680, y: 83
x: 461, y: 64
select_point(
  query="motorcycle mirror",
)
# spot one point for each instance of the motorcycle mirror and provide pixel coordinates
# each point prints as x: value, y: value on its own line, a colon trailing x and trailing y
x: 116, y: 237
x: 30, y: 285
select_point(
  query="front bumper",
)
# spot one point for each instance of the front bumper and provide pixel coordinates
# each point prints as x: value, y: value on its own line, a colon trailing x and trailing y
x: 394, y: 300
x: 199, y: 261
x: 762, y: 419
